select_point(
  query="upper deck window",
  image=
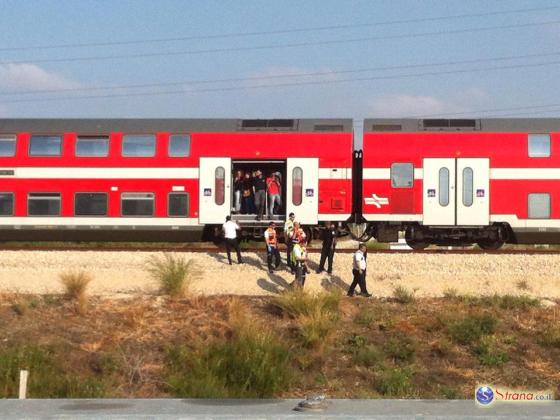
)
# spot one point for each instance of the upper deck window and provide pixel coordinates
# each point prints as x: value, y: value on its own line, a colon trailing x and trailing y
x: 92, y: 146
x: 539, y: 145
x: 179, y: 145
x: 139, y: 146
x: 402, y: 175
x: 7, y: 145
x: 45, y: 146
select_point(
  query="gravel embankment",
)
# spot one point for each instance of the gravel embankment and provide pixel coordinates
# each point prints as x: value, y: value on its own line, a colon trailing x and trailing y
x: 123, y: 273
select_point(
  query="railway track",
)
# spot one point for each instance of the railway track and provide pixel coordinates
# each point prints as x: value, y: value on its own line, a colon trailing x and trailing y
x: 216, y: 248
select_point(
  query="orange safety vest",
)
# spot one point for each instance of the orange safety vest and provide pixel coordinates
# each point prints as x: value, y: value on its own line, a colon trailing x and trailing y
x: 271, y: 236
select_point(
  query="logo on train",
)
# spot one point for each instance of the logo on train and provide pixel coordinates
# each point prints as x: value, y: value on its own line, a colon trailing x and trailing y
x: 376, y: 201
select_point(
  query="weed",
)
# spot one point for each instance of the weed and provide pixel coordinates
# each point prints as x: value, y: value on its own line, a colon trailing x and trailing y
x: 314, y: 328
x: 368, y: 356
x: 451, y: 293
x: 296, y: 302
x: 489, y: 352
x: 472, y: 327
x: 400, y: 348
x: 522, y: 285
x: 364, y: 317
x: 507, y: 301
x: 550, y: 336
x: 402, y: 295
x: 395, y: 382
x: 75, y: 284
x: 174, y: 274
x: 449, y: 393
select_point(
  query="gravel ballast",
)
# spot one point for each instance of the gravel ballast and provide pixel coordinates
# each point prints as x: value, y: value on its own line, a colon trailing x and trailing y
x: 430, y: 275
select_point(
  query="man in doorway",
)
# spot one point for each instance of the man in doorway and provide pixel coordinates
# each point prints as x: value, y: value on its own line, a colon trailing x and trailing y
x: 274, y: 191
x: 328, y: 249
x: 288, y: 233
x: 359, y: 267
x: 259, y: 188
x: 271, y: 239
x: 230, y: 229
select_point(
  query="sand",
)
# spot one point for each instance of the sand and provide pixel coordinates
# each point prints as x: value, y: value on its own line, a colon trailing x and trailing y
x: 124, y: 273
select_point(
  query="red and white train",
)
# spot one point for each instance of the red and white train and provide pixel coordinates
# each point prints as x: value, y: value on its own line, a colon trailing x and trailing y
x: 446, y: 182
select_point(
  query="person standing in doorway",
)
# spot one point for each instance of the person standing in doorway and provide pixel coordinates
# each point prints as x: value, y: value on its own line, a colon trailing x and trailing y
x: 359, y: 267
x: 248, y: 198
x: 274, y: 190
x: 230, y: 229
x: 237, y: 190
x: 288, y: 232
x: 271, y: 239
x: 328, y: 249
x: 259, y: 188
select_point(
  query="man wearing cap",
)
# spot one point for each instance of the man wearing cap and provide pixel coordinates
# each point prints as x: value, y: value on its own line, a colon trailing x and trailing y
x: 271, y: 239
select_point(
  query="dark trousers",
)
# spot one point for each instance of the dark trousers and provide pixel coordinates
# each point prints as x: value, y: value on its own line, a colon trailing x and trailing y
x: 290, y: 247
x: 300, y: 271
x: 359, y: 280
x: 327, y: 253
x: 232, y: 243
x: 272, y: 252
x: 260, y: 202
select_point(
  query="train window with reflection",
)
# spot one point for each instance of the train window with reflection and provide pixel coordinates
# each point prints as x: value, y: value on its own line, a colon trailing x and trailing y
x: 219, y: 185
x: 467, y: 187
x: 539, y: 145
x: 179, y: 145
x: 137, y: 204
x: 92, y: 146
x: 90, y: 204
x: 443, y: 187
x: 7, y: 146
x: 6, y: 204
x: 43, y: 204
x: 539, y: 206
x: 297, y: 186
x: 402, y: 175
x: 139, y: 145
x: 178, y: 204
x: 45, y: 146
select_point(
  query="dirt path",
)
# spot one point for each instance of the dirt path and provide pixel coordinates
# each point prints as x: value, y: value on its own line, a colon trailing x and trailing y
x: 118, y: 273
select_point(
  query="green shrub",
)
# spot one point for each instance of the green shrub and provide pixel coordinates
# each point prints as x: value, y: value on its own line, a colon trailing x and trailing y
x: 173, y: 274
x: 297, y: 302
x: 75, y: 284
x: 472, y: 327
x: 365, y: 317
x: 550, y: 336
x: 368, y: 356
x: 489, y: 352
x: 507, y: 301
x: 402, y: 295
x: 395, y: 382
x: 400, y: 348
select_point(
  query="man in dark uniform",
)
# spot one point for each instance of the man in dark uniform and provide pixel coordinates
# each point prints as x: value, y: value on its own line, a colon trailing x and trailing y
x: 329, y: 245
x: 259, y: 187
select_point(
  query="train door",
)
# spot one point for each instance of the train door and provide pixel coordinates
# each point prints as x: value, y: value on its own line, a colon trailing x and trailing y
x: 302, y: 189
x: 214, y: 190
x: 439, y: 192
x: 456, y: 191
x: 473, y: 198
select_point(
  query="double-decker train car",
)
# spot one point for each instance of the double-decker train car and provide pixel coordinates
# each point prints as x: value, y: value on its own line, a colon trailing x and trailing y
x: 453, y: 182
x: 125, y: 179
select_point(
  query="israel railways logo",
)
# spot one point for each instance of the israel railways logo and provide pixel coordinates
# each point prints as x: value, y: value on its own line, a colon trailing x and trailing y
x: 484, y: 395
x: 376, y: 201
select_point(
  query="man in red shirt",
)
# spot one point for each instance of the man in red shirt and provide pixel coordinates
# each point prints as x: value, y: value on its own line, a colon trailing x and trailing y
x: 274, y: 190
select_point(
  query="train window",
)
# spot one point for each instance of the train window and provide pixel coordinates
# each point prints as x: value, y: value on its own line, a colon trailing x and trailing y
x: 90, y: 204
x: 539, y: 145
x: 6, y: 204
x: 402, y: 175
x: 137, y: 204
x: 43, y: 204
x: 297, y: 186
x: 92, y: 146
x: 539, y: 206
x: 7, y: 146
x: 179, y: 145
x: 443, y: 187
x: 220, y: 185
x: 139, y: 146
x: 45, y: 146
x: 467, y: 187
x: 178, y: 204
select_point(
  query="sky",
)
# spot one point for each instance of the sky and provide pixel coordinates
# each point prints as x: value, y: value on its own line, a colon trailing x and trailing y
x: 279, y: 58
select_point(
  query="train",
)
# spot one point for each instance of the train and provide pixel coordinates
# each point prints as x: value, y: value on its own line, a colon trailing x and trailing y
x: 442, y: 182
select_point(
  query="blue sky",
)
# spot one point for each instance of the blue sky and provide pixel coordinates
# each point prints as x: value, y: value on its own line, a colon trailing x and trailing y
x: 523, y: 86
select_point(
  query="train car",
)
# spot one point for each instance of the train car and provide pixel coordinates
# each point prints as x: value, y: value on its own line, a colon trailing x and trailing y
x: 126, y: 179
x: 457, y: 182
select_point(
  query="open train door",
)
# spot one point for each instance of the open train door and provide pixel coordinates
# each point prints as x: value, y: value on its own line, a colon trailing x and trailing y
x: 302, y: 189
x: 214, y: 190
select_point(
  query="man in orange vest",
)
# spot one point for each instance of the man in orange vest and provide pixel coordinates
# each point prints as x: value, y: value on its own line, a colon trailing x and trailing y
x: 271, y: 239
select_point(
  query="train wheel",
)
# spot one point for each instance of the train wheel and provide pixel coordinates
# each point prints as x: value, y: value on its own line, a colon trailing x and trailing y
x: 417, y: 245
x: 490, y: 245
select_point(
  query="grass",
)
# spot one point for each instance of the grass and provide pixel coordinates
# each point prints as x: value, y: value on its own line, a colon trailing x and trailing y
x: 75, y: 285
x: 395, y: 382
x: 400, y: 348
x: 174, y: 274
x: 506, y: 301
x: 402, y: 295
x: 472, y: 327
x: 550, y: 336
x: 490, y: 353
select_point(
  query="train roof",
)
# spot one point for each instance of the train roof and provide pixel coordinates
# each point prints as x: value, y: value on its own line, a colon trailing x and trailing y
x: 533, y: 125
x: 152, y: 125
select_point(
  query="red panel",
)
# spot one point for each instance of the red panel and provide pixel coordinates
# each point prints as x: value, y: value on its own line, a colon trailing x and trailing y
x: 511, y: 196
x: 333, y: 191
x: 401, y: 200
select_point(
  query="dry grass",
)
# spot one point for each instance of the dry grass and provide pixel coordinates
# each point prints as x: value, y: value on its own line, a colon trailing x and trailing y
x: 173, y: 274
x: 75, y: 285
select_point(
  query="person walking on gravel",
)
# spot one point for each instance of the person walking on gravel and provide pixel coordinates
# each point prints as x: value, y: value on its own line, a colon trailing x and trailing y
x: 359, y: 267
x: 299, y: 259
x: 329, y: 245
x: 230, y: 229
x: 288, y: 232
x: 271, y: 239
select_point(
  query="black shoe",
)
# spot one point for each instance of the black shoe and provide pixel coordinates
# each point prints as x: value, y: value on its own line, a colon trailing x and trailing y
x: 229, y: 263
x: 319, y: 270
x: 366, y: 294
x: 271, y: 271
x: 240, y: 262
x: 329, y: 271
x: 351, y: 294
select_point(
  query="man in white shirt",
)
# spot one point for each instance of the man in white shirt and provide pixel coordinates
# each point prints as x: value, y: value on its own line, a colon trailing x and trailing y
x: 230, y: 229
x: 288, y: 230
x: 359, y: 266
